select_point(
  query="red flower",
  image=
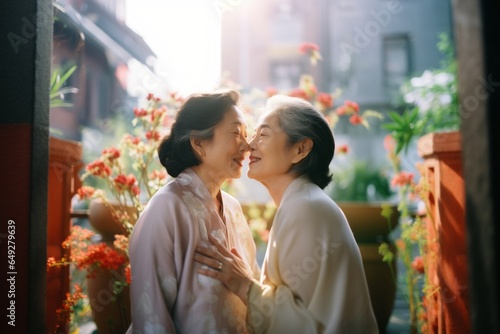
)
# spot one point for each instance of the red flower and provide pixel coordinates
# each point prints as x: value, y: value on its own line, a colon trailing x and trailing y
x: 308, y: 47
x: 325, y: 100
x: 351, y: 106
x: 158, y: 113
x: 111, y: 153
x: 158, y: 174
x: 343, y: 149
x: 153, y: 135
x: 140, y: 112
x: 341, y: 111
x: 132, y: 140
x: 124, y: 182
x: 270, y: 91
x: 356, y: 119
x: 128, y: 274
x: 85, y: 192
x: 418, y: 264
x: 389, y: 143
x: 401, y: 179
x: 150, y: 97
x: 98, y: 168
x: 299, y: 92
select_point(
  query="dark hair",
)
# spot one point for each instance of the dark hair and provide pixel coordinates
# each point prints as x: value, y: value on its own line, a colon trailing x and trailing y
x: 197, y: 117
x: 299, y: 119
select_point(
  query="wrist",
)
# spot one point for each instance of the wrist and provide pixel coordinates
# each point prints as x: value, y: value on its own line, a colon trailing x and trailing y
x: 243, y: 291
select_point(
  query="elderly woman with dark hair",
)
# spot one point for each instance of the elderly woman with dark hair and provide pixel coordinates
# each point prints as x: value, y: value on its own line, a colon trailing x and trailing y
x: 312, y: 277
x: 206, y: 146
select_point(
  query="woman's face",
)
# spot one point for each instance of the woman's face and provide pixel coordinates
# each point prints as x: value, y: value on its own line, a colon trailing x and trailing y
x: 270, y: 154
x: 225, y: 152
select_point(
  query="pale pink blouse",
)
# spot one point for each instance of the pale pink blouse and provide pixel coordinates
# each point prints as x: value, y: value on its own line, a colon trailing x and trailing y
x: 167, y: 293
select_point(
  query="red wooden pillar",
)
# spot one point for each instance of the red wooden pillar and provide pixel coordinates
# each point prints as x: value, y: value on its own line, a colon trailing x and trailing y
x: 64, y: 163
x: 448, y: 309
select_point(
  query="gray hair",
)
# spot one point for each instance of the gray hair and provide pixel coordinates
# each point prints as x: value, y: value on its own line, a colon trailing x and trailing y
x: 299, y: 119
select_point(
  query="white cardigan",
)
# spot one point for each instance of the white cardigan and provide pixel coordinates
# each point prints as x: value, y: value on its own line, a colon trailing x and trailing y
x: 312, y: 278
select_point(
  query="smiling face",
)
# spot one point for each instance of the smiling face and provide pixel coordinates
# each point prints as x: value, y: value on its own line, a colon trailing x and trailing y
x: 271, y: 156
x: 222, y: 155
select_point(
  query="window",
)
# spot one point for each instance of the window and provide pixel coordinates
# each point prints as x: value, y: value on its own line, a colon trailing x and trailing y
x: 397, y: 63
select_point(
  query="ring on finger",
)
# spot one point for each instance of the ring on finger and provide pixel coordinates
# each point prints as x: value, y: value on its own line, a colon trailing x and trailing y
x: 219, y: 268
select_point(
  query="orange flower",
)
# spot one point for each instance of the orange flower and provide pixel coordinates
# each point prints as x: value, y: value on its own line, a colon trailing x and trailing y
x: 308, y: 47
x: 158, y: 175
x: 341, y: 111
x: 389, y: 143
x: 325, y: 100
x: 299, y: 92
x: 343, y: 149
x: 111, y: 153
x: 128, y: 274
x: 140, y: 112
x: 85, y: 192
x: 270, y: 91
x: 98, y: 168
x: 351, y: 106
x: 356, y: 119
x: 402, y: 179
x: 418, y: 264
x: 124, y: 182
x: 153, y: 135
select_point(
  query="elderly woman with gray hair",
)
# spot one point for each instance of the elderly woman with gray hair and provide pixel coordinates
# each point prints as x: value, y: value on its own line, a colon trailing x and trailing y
x: 312, y: 278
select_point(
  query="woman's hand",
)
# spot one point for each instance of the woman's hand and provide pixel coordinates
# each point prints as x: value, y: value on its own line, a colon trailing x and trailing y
x: 230, y: 269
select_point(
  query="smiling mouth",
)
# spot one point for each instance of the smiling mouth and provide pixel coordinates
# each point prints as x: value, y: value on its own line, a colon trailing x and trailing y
x: 239, y: 161
x: 254, y: 159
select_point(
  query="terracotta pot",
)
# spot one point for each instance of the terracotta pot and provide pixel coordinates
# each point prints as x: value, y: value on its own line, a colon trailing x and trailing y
x: 111, y: 313
x: 366, y: 221
x: 370, y: 229
x: 102, y: 221
x: 381, y: 283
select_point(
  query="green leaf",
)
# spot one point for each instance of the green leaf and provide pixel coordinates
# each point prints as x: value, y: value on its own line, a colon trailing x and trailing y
x: 58, y: 84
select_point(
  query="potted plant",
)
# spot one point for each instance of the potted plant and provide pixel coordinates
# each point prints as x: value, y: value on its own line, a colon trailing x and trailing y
x: 430, y: 117
x: 124, y: 177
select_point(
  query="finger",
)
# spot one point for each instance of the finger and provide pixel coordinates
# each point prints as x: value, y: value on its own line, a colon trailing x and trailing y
x: 212, y: 263
x: 210, y: 273
x: 207, y: 252
x: 217, y: 245
x: 235, y: 252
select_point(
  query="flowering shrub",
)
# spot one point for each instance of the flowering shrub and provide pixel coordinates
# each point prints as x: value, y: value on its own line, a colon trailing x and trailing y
x: 131, y: 174
x: 432, y: 105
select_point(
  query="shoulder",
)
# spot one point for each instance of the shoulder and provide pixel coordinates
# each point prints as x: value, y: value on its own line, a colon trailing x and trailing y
x: 309, y: 204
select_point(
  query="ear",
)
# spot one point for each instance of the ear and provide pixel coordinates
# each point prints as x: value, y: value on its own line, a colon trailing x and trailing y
x: 302, y: 150
x: 197, y: 145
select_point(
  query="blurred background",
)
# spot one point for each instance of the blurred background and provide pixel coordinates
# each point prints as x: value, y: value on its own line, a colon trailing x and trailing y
x: 124, y: 49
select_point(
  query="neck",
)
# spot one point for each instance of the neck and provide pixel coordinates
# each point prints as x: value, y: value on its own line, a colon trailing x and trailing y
x: 277, y: 187
x: 210, y: 179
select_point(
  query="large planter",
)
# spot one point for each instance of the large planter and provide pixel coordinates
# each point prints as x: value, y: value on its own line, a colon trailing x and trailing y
x: 448, y: 308
x: 111, y: 312
x: 65, y: 161
x: 102, y: 220
x: 370, y: 229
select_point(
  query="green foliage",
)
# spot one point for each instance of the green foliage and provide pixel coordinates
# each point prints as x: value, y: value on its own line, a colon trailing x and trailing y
x: 432, y: 102
x: 360, y: 183
x: 57, y: 88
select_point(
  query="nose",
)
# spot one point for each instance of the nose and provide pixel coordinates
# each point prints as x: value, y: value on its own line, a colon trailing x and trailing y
x: 252, y: 144
x: 244, y: 146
